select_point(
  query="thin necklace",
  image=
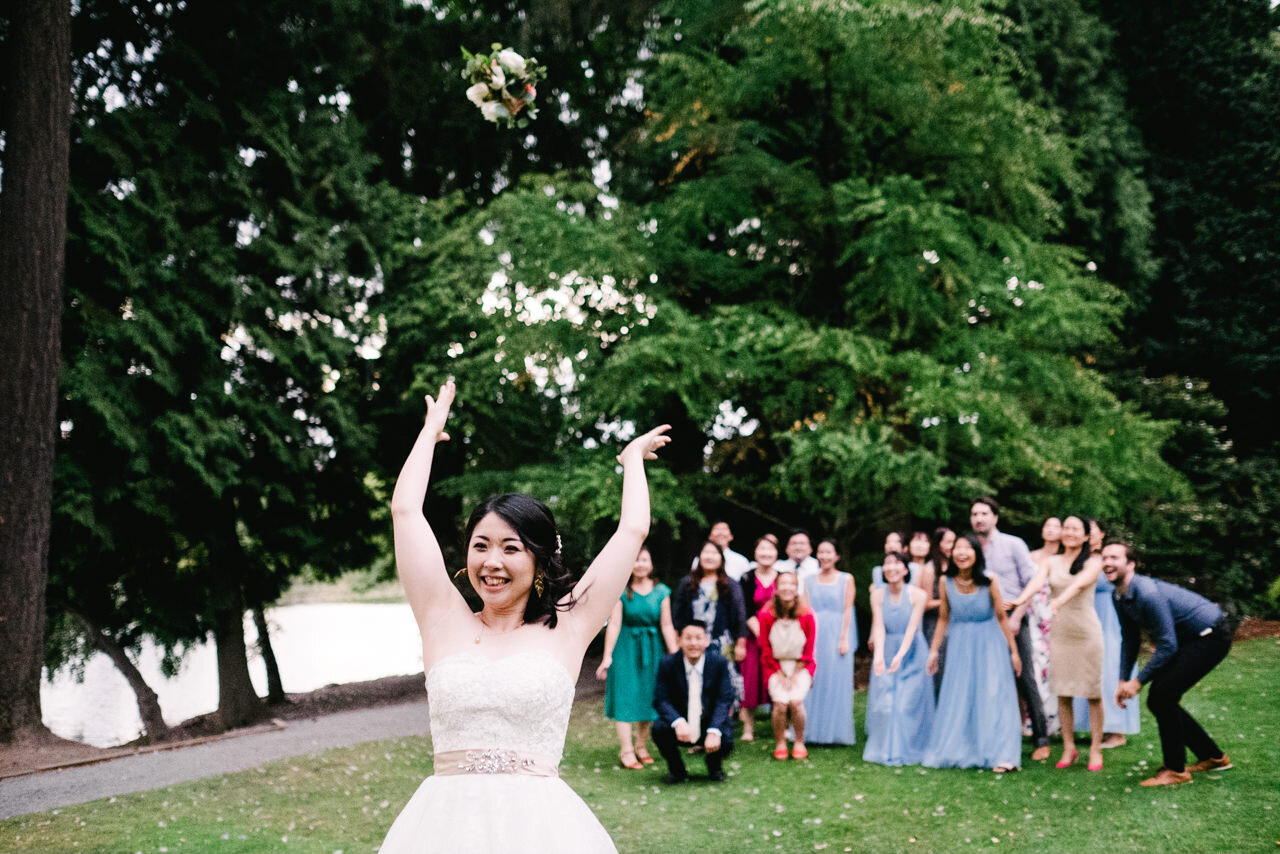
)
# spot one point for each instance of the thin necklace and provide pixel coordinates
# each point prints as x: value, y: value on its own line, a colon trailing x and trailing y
x: 484, y: 625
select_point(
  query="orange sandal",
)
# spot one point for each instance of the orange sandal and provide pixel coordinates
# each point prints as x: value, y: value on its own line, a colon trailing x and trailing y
x: 643, y: 756
x: 799, y: 753
x: 780, y: 753
x: 632, y: 764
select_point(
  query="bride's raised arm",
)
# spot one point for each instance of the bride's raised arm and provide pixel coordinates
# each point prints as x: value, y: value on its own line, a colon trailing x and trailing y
x: 603, y: 582
x: 419, y: 560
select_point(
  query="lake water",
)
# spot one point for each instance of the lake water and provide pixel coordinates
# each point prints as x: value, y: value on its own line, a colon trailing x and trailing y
x: 315, y: 645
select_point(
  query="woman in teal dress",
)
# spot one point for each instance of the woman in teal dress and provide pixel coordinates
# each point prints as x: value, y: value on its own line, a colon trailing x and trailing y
x: 639, y: 633
x: 900, y: 699
x: 976, y: 723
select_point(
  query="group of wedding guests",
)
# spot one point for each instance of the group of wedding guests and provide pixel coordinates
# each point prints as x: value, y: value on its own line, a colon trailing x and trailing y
x: 967, y: 632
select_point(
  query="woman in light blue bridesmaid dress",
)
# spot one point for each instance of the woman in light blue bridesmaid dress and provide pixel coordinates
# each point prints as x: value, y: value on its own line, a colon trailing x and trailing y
x: 976, y: 723
x: 900, y: 699
x: 829, y: 705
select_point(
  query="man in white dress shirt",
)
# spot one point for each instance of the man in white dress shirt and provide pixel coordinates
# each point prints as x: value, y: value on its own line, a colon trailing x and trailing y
x: 800, y: 559
x: 694, y: 701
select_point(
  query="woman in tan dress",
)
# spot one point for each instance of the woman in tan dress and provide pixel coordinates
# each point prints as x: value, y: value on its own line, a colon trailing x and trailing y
x: 1075, y: 657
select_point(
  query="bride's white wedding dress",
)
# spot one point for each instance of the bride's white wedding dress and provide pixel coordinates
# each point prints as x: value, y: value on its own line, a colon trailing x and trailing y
x: 497, y: 729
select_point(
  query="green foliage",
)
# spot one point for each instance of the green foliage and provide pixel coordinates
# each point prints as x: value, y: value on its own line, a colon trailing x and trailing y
x: 1203, y: 89
x: 216, y: 335
x: 1068, y: 68
x: 868, y: 260
x: 855, y: 237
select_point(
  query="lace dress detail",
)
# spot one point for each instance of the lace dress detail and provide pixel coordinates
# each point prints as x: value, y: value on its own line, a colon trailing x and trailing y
x: 520, y: 703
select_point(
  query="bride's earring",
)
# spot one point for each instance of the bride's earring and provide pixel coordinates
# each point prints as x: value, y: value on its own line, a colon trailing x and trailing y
x: 539, y: 586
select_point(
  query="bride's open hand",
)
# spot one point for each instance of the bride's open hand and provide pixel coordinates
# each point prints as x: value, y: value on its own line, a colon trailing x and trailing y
x: 646, y: 446
x: 438, y: 411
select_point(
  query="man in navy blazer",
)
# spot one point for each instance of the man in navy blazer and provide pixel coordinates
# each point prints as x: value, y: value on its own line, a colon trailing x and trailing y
x: 707, y: 721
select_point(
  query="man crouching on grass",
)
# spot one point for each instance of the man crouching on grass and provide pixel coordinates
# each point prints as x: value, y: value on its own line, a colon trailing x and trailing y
x: 1191, y: 635
x: 694, y: 701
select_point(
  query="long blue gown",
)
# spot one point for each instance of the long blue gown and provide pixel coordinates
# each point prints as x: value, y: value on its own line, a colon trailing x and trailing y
x: 1114, y: 718
x: 899, y: 705
x: 977, y: 723
x: 829, y: 706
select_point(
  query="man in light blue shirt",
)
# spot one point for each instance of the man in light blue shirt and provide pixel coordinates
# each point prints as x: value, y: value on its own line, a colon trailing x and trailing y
x: 1009, y: 563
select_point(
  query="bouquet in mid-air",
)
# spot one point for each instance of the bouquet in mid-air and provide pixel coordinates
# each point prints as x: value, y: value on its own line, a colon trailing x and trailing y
x: 503, y: 84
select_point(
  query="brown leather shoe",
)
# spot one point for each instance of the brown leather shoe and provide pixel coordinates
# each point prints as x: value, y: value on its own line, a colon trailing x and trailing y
x: 1040, y: 753
x: 1167, y: 778
x: 1222, y: 763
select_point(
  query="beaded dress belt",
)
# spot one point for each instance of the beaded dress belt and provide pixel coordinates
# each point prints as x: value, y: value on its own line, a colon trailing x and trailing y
x: 495, y: 761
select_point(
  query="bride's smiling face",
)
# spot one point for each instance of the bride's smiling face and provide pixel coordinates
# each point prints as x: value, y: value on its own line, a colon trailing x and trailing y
x: 499, y: 564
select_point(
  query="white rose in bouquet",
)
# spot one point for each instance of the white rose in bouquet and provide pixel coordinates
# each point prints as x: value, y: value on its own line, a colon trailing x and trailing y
x: 494, y: 110
x: 512, y: 62
x: 503, y: 85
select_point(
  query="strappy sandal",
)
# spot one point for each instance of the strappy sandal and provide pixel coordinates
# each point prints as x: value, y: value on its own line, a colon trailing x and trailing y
x: 643, y: 756
x: 632, y: 763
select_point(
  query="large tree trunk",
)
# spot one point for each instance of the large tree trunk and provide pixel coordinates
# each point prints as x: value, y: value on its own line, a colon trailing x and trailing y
x: 148, y: 703
x: 275, y: 687
x: 33, y: 233
x: 238, y: 703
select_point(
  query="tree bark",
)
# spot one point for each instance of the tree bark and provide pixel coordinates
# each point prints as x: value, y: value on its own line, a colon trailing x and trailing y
x: 36, y: 120
x: 148, y: 703
x: 275, y: 687
x: 238, y: 704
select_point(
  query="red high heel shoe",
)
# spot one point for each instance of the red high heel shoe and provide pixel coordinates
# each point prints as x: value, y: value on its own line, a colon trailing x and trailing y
x: 1067, y: 762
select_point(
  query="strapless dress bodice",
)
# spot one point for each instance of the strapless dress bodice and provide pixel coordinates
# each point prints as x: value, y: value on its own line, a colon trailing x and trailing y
x: 519, y: 702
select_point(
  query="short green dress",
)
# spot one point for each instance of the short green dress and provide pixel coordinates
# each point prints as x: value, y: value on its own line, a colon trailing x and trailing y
x: 634, y: 672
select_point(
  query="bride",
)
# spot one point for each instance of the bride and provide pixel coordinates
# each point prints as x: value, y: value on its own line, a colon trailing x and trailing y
x: 500, y: 682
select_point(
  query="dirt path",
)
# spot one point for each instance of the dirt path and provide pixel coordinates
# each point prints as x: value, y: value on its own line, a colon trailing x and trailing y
x: 157, y: 769
x: 63, y: 773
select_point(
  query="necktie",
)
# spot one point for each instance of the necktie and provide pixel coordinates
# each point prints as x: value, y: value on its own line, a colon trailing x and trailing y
x: 695, y: 702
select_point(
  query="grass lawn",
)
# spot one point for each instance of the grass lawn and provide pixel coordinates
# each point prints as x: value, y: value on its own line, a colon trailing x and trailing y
x: 344, y: 800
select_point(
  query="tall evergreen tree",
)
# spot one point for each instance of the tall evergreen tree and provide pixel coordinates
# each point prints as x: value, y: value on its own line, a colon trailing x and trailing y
x: 35, y: 120
x: 835, y: 265
x: 1203, y: 82
x: 217, y: 334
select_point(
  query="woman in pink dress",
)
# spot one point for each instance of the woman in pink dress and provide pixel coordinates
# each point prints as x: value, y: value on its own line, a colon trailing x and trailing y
x: 757, y: 589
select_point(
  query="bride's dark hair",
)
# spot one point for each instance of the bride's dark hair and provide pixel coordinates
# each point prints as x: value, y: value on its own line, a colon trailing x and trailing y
x: 536, y: 527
